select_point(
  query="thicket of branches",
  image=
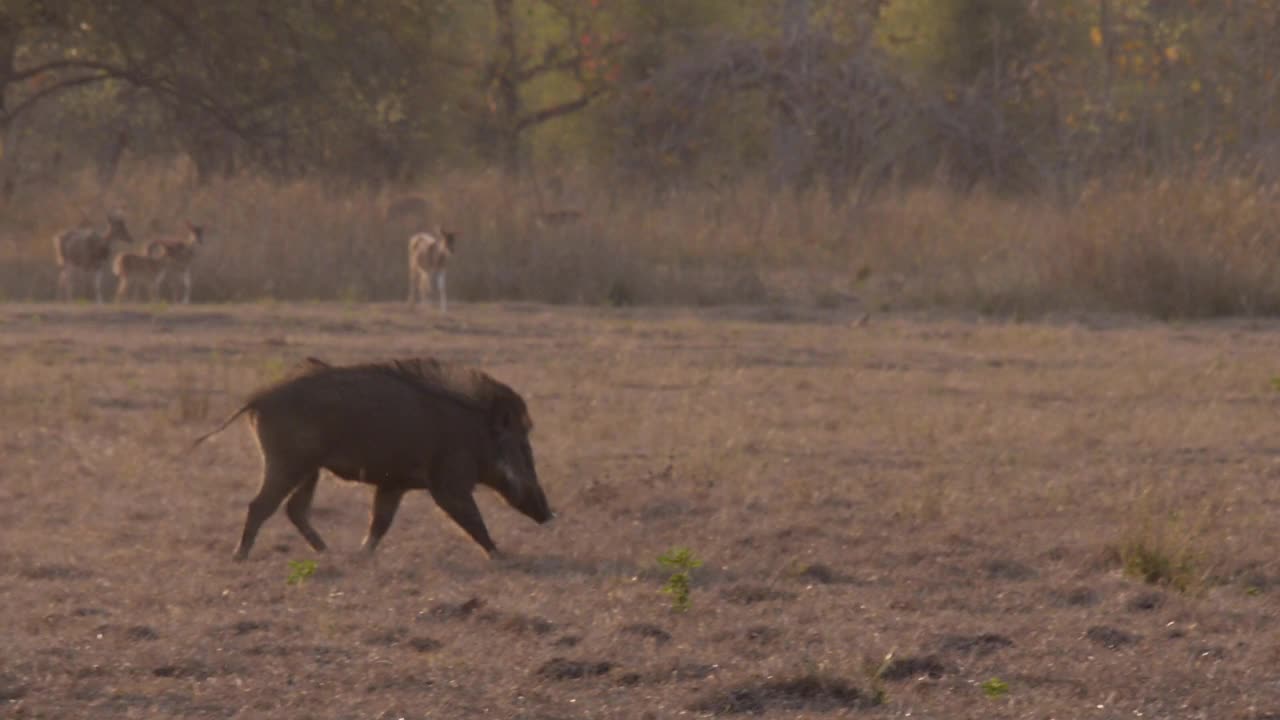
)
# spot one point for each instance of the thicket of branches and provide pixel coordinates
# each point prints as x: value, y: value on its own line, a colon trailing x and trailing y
x: 1026, y: 96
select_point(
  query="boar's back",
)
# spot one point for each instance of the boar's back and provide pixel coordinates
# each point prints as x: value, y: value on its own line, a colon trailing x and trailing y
x: 364, y: 423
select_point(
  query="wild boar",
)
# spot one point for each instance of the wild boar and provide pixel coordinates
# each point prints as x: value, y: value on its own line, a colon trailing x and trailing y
x: 397, y: 425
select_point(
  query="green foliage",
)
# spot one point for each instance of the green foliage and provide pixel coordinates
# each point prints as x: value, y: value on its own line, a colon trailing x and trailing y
x: 995, y: 688
x: 300, y: 571
x: 958, y: 40
x: 1030, y: 95
x: 680, y: 560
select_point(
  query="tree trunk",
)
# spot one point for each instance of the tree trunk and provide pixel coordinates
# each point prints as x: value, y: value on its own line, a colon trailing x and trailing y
x: 110, y: 154
x: 1104, y: 36
x: 504, y: 90
x: 791, y: 151
x: 8, y: 52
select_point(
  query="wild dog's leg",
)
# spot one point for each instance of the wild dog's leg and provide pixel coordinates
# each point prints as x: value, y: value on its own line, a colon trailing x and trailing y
x: 299, y: 510
x: 424, y: 286
x: 277, y: 483
x: 97, y: 285
x: 413, y: 282
x: 462, y: 508
x: 64, y: 283
x: 157, y: 285
x: 186, y: 286
x: 386, y: 500
x: 440, y: 289
x: 122, y: 287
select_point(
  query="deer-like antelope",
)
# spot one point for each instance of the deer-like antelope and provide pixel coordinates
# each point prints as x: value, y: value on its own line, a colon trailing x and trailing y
x: 87, y: 249
x: 177, y: 255
x: 132, y: 269
x: 429, y: 255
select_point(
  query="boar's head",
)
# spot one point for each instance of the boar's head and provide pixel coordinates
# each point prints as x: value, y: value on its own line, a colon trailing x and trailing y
x: 513, y: 473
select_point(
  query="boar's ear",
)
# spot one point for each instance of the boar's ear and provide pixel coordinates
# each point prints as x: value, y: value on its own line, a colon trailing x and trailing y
x: 510, y: 415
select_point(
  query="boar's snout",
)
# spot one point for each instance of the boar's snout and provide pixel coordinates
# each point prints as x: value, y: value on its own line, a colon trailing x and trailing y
x: 528, y: 498
x: 537, y: 507
x: 518, y: 478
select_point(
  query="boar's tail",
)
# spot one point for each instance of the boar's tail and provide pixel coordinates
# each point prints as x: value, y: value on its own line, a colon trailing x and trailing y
x: 220, y: 428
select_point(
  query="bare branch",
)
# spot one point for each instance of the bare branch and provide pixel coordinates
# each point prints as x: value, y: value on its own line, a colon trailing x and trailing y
x: 29, y: 101
x: 555, y: 111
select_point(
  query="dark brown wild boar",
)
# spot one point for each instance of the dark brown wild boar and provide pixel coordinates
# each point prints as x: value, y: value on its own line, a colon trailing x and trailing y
x: 397, y: 425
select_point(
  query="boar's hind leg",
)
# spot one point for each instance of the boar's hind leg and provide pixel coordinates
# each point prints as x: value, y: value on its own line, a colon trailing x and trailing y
x: 462, y: 508
x: 299, y: 510
x: 386, y: 500
x: 277, y: 483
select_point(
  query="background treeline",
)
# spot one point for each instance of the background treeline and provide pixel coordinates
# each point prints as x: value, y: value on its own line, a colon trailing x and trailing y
x: 1010, y: 155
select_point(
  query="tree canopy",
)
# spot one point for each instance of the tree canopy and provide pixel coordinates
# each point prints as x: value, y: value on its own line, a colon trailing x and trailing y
x: 848, y: 92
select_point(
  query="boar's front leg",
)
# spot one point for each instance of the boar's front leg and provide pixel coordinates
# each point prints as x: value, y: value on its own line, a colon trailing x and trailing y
x: 299, y: 510
x: 461, y: 506
x: 386, y: 500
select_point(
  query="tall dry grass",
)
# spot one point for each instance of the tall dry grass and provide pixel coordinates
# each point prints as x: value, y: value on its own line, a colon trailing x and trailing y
x: 1175, y: 248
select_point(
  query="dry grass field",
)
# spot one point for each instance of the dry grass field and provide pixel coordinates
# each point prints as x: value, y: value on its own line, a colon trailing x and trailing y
x: 924, y: 516
x: 1168, y: 247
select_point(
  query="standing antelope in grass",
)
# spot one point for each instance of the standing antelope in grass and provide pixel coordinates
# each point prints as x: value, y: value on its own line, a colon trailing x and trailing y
x: 133, y: 268
x: 429, y: 255
x: 87, y: 249
x: 177, y: 255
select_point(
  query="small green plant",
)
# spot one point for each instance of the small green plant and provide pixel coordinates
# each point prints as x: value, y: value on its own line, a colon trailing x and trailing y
x: 300, y: 570
x: 875, y: 677
x: 1275, y: 383
x: 995, y: 688
x: 680, y: 560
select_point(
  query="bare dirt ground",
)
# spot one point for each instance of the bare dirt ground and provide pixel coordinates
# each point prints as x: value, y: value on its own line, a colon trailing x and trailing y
x: 920, y: 516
